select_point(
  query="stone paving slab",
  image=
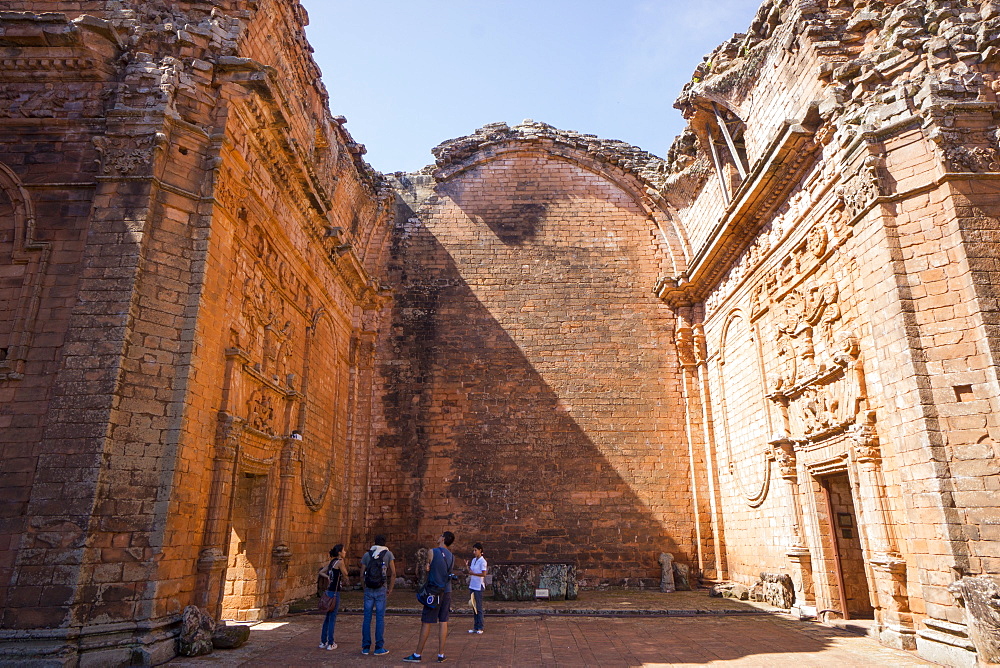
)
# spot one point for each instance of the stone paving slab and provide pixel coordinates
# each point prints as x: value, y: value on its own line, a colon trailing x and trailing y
x: 743, y: 640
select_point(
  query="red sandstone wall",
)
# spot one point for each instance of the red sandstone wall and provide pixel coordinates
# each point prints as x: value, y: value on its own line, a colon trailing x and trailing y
x: 532, y: 397
x: 212, y: 263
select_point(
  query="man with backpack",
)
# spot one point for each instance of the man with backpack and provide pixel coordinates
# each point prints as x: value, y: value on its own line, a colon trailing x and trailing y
x: 378, y: 576
x: 439, y: 579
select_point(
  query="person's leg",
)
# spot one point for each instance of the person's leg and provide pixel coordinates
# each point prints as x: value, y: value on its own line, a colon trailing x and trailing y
x: 366, y: 628
x: 380, y: 603
x: 479, y: 623
x: 332, y: 616
x: 425, y: 632
x: 443, y: 613
x: 442, y: 637
x: 325, y: 637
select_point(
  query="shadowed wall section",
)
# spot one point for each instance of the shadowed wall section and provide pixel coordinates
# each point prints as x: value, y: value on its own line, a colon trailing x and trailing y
x: 533, y: 399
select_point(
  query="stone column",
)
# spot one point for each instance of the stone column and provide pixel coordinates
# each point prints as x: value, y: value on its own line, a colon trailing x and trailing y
x: 213, y: 558
x: 684, y: 341
x: 896, y: 627
x: 799, y: 557
x: 281, y: 553
x: 359, y: 411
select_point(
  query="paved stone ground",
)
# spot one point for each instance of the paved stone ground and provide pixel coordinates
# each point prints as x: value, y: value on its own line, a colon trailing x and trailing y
x: 718, y: 636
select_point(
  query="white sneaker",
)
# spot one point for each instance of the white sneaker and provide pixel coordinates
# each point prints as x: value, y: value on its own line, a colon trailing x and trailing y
x: 332, y: 645
x: 322, y: 645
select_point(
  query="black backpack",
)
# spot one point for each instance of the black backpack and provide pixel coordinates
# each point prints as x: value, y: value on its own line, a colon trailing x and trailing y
x: 375, y: 570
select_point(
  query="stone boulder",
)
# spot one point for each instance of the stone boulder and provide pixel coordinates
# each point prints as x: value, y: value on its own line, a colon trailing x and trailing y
x: 730, y: 590
x: 980, y: 596
x: 197, y: 628
x: 230, y: 637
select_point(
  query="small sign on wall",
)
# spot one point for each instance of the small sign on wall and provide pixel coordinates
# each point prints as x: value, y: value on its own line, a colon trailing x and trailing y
x: 542, y: 594
x: 846, y: 524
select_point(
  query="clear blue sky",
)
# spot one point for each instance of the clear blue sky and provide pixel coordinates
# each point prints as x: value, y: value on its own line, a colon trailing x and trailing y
x: 410, y: 74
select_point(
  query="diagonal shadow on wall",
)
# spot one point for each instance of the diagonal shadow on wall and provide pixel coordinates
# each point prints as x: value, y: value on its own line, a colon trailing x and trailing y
x: 479, y: 443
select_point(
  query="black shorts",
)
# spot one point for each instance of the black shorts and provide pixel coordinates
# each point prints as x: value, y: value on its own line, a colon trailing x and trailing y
x: 438, y: 614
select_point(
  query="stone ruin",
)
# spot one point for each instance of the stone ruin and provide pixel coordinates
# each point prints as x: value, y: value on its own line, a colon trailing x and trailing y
x: 226, y: 341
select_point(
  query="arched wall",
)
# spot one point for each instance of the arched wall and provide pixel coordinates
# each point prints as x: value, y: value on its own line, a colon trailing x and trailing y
x: 534, y: 401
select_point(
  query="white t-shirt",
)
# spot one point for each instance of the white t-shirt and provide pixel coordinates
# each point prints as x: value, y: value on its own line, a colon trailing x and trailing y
x: 478, y: 565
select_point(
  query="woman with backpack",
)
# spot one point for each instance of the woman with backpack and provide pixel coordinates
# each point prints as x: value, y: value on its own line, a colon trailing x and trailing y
x: 336, y: 573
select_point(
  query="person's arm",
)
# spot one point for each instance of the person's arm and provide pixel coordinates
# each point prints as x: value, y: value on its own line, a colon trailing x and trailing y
x: 392, y: 577
x: 343, y: 574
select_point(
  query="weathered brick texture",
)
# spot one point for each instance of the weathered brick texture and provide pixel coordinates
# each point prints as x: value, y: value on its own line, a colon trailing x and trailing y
x: 531, y: 391
x: 226, y: 343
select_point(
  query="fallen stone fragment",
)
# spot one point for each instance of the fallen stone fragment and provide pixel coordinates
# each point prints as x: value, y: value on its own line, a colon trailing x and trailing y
x: 230, y: 637
x: 196, y: 632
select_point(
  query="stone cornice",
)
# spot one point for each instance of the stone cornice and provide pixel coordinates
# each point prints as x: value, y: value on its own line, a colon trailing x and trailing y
x: 772, y: 178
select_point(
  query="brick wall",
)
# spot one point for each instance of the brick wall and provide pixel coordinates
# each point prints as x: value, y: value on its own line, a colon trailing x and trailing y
x: 531, y: 394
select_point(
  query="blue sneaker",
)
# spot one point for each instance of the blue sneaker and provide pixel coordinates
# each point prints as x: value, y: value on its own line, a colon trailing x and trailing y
x: 366, y: 650
x: 413, y: 658
x: 380, y: 651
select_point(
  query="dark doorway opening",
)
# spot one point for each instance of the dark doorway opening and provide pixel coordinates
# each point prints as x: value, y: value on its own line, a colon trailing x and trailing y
x: 850, y: 576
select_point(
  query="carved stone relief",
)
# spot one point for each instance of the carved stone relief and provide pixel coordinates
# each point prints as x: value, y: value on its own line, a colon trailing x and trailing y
x: 964, y: 149
x: 23, y: 263
x: 125, y: 155
x: 864, y: 188
x: 49, y: 101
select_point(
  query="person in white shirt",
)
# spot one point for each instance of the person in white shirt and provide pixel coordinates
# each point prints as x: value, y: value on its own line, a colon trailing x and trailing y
x: 477, y: 583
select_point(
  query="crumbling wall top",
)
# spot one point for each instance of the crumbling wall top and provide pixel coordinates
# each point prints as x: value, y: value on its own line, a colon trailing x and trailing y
x: 649, y: 168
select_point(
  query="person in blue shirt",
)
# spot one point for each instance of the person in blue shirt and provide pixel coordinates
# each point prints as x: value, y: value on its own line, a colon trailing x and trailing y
x: 439, y: 576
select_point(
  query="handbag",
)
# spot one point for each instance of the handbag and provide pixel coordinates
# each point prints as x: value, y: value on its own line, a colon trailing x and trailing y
x: 327, y: 602
x: 430, y: 596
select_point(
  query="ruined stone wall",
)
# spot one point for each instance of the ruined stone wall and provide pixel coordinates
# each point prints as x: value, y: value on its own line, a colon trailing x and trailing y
x: 851, y: 281
x: 531, y: 394
x: 191, y: 273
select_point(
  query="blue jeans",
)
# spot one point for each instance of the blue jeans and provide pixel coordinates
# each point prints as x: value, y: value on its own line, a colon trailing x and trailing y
x: 478, y: 624
x: 330, y: 621
x: 374, y: 600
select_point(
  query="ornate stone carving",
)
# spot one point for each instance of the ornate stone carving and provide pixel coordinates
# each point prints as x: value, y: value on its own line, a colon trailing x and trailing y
x: 784, y: 456
x: 865, y: 440
x: 966, y: 149
x: 22, y: 291
x: 230, y: 192
x: 48, y: 101
x: 260, y: 412
x: 817, y: 240
x: 125, y: 155
x: 862, y: 190
x: 685, y: 347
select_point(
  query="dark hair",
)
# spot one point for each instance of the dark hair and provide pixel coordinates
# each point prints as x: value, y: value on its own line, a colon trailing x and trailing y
x: 449, y: 537
x: 478, y: 546
x: 337, y: 549
x: 380, y: 539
